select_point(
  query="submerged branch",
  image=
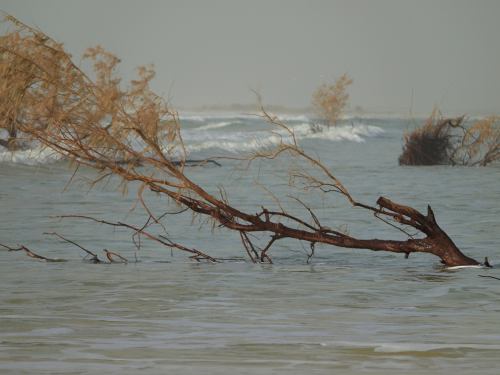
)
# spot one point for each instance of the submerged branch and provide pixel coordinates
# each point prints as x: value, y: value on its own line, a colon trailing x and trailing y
x: 491, y: 277
x: 31, y: 253
x: 160, y: 239
x: 94, y: 258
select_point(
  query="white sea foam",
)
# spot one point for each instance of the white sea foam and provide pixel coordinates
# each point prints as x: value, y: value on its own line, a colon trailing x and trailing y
x: 32, y: 156
x: 195, y: 118
x: 460, y: 267
x: 216, y: 116
x: 221, y: 135
x: 254, y: 140
x: 355, y: 133
x: 286, y: 117
x: 423, y: 347
x: 210, y: 116
x: 216, y: 125
x: 401, y: 347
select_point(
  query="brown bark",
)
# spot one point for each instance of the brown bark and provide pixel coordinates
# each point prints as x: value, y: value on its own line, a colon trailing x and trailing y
x: 436, y: 241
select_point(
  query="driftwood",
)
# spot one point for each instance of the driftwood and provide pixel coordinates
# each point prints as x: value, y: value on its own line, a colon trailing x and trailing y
x: 31, y: 253
x: 113, y: 257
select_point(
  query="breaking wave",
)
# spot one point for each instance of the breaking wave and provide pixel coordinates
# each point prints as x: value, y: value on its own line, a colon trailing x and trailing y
x: 354, y: 133
x: 253, y: 140
x: 238, y: 116
x: 216, y: 125
x: 232, y: 134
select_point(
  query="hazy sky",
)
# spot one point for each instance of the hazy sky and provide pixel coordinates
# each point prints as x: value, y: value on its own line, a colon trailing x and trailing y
x: 446, y: 52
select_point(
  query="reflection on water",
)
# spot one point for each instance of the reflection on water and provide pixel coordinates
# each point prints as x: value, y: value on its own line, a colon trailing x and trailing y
x: 349, y: 312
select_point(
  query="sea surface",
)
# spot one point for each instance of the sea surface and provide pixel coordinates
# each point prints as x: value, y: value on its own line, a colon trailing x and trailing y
x: 344, y: 312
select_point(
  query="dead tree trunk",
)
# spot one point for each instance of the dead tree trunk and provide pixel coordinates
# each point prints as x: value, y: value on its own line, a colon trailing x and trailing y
x: 437, y: 241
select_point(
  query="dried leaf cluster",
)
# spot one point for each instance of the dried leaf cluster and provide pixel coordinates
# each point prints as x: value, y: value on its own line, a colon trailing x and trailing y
x: 330, y: 100
x: 44, y: 95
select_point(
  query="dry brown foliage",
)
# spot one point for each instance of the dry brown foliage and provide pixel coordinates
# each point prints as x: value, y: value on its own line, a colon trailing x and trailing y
x: 479, y: 143
x: 442, y: 140
x: 330, y: 100
x: 96, y: 122
x: 43, y: 92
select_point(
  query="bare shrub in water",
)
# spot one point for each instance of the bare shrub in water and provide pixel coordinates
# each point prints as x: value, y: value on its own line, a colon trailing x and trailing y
x: 330, y: 100
x: 97, y: 123
x: 450, y: 141
x: 479, y: 143
x: 431, y: 143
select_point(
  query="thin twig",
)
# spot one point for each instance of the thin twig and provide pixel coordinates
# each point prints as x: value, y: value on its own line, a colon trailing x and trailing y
x: 491, y: 277
x: 110, y: 254
x: 94, y: 256
x: 31, y: 253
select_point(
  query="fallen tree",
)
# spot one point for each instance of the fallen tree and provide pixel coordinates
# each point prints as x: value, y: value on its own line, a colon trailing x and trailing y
x: 97, y: 123
x: 452, y: 141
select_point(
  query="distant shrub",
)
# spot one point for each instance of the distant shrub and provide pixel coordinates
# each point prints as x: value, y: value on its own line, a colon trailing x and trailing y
x: 431, y: 143
x: 330, y: 100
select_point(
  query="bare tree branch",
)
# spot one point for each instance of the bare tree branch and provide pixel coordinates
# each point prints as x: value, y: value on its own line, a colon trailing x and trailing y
x: 94, y: 257
x: 31, y: 253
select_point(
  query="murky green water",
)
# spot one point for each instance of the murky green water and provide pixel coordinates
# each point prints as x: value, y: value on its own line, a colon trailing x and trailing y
x: 349, y: 312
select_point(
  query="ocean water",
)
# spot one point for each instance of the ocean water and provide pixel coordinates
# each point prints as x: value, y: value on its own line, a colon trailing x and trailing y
x: 346, y: 312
